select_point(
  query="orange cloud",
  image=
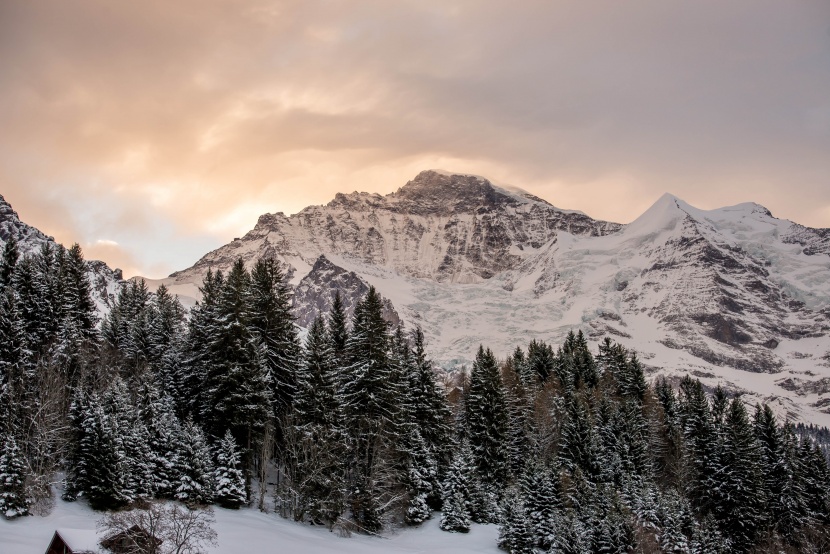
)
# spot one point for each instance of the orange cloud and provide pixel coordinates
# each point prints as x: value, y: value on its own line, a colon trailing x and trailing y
x: 169, y: 127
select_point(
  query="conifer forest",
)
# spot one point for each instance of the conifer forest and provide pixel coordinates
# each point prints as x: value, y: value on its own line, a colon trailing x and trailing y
x: 349, y: 425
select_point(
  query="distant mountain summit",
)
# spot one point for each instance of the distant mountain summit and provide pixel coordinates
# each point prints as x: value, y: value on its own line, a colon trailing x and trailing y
x: 443, y: 227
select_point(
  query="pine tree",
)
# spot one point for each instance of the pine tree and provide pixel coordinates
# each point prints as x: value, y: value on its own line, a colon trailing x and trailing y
x: 12, y: 362
x: 238, y: 391
x: 739, y: 507
x: 541, y: 499
x: 77, y: 302
x: 195, y: 470
x: 515, y: 534
x: 370, y: 395
x: 318, y: 440
x: 338, y: 333
x: 487, y: 419
x: 8, y: 263
x: 540, y: 364
x: 13, y: 499
x: 157, y: 411
x: 273, y: 326
x: 199, y: 352
x: 421, y: 478
x: 702, y: 455
x: 456, y: 494
x: 230, y: 482
x: 101, y: 469
x: 578, y: 446
x: 429, y: 412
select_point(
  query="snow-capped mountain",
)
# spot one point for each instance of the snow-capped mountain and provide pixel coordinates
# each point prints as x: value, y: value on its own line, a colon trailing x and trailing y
x: 105, y: 281
x: 734, y: 295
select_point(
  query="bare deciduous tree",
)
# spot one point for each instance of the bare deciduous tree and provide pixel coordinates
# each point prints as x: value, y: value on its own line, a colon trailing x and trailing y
x: 161, y: 528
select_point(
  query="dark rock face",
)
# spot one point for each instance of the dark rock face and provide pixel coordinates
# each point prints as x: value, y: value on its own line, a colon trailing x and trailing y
x: 315, y: 293
x: 28, y: 238
x: 814, y: 241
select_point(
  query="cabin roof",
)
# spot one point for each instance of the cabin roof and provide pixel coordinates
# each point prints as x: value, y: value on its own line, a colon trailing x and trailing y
x: 80, y: 541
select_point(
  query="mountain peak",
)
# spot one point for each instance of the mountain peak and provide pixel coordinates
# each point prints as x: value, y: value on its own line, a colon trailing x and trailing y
x: 442, y: 193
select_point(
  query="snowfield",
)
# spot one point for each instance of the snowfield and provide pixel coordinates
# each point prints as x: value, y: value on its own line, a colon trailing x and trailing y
x: 249, y: 530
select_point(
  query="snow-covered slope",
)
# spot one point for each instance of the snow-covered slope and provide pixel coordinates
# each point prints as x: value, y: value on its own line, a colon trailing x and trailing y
x: 249, y: 530
x: 733, y: 295
x: 105, y: 281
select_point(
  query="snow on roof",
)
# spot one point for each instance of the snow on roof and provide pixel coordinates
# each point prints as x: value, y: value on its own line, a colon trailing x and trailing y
x: 81, y: 541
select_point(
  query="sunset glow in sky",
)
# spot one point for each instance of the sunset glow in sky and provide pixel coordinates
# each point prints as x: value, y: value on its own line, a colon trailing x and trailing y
x: 151, y: 132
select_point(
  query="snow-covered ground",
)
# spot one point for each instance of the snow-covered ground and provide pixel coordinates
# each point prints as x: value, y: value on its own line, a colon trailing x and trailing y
x: 249, y: 530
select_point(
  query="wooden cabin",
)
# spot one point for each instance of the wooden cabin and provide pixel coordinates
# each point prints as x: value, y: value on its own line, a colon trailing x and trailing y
x: 74, y: 541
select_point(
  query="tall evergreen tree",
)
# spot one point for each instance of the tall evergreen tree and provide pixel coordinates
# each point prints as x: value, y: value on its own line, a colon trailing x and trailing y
x: 456, y: 492
x: 228, y: 477
x: 195, y: 469
x: 238, y: 391
x: 13, y: 499
x: 370, y: 393
x: 8, y: 262
x: 273, y: 326
x: 487, y: 419
x: 740, y: 506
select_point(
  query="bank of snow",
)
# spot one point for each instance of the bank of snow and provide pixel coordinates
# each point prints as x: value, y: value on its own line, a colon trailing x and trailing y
x: 249, y: 530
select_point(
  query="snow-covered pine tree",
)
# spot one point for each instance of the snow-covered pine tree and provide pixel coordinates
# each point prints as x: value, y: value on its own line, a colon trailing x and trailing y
x: 101, y: 471
x: 515, y: 533
x: 8, y: 263
x: 370, y: 398
x: 195, y: 470
x: 701, y: 462
x: 273, y: 326
x: 487, y: 419
x: 78, y: 304
x: 740, y: 505
x: 12, y: 362
x: 238, y: 391
x: 456, y: 494
x: 316, y: 445
x: 133, y: 441
x: 570, y: 535
x: 157, y: 411
x: 421, y: 477
x: 230, y: 482
x: 13, y: 499
x: 32, y: 305
x: 429, y: 408
x: 540, y: 364
x: 585, y: 368
x: 541, y: 498
x: 578, y: 448
x: 198, y: 352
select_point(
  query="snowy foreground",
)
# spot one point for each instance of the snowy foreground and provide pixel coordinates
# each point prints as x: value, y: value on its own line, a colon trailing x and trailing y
x: 249, y: 530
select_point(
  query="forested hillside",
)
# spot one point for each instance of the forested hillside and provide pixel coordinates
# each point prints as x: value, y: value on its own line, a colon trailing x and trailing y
x: 349, y: 426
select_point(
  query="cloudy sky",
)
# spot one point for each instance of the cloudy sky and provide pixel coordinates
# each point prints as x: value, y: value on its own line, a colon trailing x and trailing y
x: 153, y: 131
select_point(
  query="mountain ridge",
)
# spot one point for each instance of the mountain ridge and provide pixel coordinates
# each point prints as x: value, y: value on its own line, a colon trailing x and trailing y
x: 732, y: 295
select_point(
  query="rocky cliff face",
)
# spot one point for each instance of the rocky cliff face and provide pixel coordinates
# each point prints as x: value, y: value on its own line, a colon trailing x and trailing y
x: 105, y: 281
x: 733, y: 296
x: 314, y: 295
